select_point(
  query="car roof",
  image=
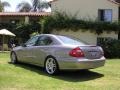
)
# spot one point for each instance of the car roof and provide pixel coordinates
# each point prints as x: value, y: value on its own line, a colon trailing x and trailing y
x: 51, y: 35
x: 48, y: 34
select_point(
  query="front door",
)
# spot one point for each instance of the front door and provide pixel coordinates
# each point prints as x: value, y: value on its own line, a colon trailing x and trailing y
x: 41, y: 49
x: 27, y: 50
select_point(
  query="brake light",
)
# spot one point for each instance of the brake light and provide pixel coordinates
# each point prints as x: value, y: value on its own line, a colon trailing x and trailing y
x: 76, y: 52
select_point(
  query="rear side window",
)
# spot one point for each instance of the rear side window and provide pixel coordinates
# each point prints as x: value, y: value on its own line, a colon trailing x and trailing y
x: 71, y: 40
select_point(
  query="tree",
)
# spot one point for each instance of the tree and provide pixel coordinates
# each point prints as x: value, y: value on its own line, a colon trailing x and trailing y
x: 37, y: 6
x: 24, y: 7
x: 42, y: 5
x: 3, y: 5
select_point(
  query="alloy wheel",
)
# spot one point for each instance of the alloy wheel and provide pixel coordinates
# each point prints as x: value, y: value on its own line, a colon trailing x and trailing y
x: 51, y: 66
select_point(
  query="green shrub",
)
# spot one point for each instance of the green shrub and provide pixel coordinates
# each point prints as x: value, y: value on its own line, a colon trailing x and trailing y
x: 22, y: 30
x: 111, y: 48
x: 61, y: 21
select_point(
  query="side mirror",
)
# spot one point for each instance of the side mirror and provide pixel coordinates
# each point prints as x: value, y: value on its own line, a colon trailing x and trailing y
x: 23, y: 45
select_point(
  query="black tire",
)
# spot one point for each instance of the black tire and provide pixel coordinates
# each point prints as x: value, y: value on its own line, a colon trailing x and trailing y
x: 51, y: 66
x: 13, y: 58
x: 85, y: 70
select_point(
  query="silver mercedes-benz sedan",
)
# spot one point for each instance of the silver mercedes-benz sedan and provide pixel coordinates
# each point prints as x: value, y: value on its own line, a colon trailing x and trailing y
x: 57, y: 52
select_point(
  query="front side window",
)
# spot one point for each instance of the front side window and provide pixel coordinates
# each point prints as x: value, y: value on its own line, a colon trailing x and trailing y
x: 44, y: 40
x: 32, y: 41
x: 105, y: 15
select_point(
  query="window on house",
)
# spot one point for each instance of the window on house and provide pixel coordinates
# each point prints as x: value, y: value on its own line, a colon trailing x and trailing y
x: 119, y: 36
x: 49, y: 5
x: 105, y: 15
x: 14, y: 21
x: 119, y: 13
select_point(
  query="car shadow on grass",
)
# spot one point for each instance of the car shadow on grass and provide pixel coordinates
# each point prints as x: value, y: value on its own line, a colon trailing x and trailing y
x: 71, y: 76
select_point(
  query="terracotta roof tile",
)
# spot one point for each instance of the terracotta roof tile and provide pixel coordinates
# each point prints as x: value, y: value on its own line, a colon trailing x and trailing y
x: 52, y: 1
x: 118, y: 1
x: 24, y: 14
x: 115, y: 1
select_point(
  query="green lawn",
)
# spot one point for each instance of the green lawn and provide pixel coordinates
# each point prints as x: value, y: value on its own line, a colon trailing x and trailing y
x: 28, y: 77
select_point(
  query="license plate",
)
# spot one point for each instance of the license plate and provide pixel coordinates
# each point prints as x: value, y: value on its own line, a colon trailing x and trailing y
x: 94, y: 54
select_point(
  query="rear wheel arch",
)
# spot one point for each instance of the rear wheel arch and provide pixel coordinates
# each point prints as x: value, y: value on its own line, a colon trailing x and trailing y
x: 50, y: 56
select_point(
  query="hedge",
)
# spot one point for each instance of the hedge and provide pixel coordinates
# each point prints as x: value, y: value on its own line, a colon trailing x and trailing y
x: 61, y: 21
x: 111, y: 48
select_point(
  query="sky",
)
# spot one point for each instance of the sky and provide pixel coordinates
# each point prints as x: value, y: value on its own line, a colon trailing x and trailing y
x: 14, y: 3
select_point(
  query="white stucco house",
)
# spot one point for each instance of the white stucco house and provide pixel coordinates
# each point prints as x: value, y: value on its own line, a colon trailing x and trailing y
x: 102, y: 10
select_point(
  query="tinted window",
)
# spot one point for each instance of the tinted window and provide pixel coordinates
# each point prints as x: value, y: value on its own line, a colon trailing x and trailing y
x: 32, y: 41
x: 70, y: 40
x: 44, y: 41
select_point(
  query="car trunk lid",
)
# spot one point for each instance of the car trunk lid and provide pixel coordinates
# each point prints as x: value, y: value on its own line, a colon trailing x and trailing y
x: 92, y: 52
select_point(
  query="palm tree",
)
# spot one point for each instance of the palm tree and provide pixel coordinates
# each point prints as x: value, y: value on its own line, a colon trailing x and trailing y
x: 3, y: 5
x: 24, y: 7
x: 37, y: 6
x: 41, y: 5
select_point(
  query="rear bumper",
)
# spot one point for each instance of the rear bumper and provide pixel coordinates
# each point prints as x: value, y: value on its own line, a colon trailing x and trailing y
x: 81, y: 64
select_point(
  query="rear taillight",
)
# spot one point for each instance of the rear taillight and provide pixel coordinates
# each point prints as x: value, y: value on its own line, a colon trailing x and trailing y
x: 76, y: 52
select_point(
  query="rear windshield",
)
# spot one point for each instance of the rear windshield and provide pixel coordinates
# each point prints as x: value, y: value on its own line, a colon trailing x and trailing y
x: 71, y: 40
